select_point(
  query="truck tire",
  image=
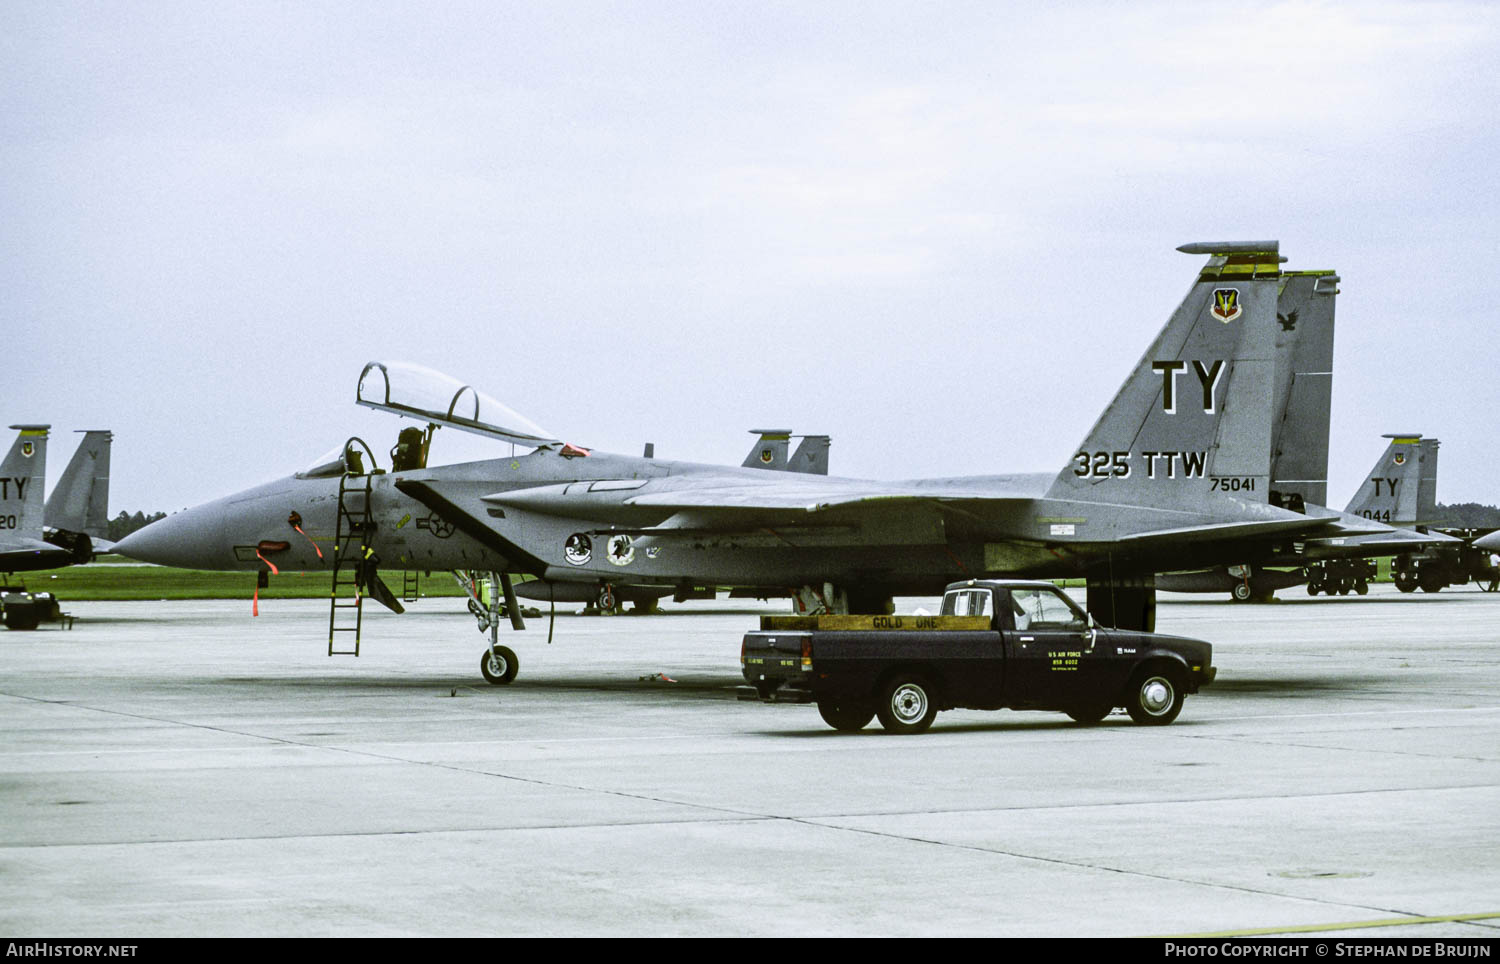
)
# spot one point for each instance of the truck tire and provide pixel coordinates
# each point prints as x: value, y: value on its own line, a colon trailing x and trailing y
x: 907, y: 704
x: 846, y: 718
x: 499, y: 667
x: 1155, y: 697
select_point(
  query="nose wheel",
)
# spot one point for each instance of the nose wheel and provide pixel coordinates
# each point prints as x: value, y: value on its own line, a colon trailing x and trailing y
x: 499, y: 665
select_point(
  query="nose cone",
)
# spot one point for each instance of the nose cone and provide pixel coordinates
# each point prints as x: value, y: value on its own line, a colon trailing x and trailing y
x: 191, y: 539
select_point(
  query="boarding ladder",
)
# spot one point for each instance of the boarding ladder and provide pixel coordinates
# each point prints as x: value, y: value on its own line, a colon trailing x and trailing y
x: 351, y: 552
x: 410, y: 585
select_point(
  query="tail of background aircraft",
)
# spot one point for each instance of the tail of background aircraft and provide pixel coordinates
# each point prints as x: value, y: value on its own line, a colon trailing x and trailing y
x: 811, y: 456
x: 1304, y: 388
x: 1194, y: 417
x: 22, y: 475
x: 770, y: 451
x: 80, y: 500
x: 1401, y: 488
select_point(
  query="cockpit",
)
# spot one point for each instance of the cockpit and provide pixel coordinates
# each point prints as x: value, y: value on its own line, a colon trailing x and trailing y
x: 438, y: 399
x: 413, y: 391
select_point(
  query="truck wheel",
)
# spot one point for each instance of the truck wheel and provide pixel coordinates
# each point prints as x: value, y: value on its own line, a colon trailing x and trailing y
x: 845, y: 718
x: 1155, y: 697
x: 1089, y: 715
x: 23, y: 615
x: 499, y: 665
x: 1362, y: 587
x: 906, y: 704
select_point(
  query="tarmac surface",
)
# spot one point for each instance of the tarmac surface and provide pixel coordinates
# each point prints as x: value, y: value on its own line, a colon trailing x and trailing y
x: 179, y: 768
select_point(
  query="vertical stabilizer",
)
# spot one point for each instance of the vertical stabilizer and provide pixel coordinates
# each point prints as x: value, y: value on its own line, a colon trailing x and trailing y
x: 22, y: 475
x: 1427, y: 483
x: 769, y: 452
x: 1304, y: 386
x: 1194, y: 417
x: 80, y: 500
x: 811, y: 456
x: 1392, y: 492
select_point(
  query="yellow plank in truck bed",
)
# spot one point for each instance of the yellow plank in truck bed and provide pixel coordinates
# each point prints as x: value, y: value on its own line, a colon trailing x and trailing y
x: 867, y: 623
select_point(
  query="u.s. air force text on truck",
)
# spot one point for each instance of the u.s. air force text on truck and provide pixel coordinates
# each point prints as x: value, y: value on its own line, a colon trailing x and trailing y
x: 998, y: 644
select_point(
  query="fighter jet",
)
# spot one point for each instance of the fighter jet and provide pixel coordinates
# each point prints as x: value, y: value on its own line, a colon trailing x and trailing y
x: 22, y: 546
x: 76, y: 515
x: 22, y: 476
x: 770, y: 452
x: 1158, y: 483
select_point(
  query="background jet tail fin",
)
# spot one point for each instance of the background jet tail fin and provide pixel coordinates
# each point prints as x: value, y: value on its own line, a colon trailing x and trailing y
x: 811, y: 456
x: 22, y: 476
x: 1195, y: 415
x: 80, y: 500
x: 1304, y: 388
x: 1394, y: 491
x: 770, y: 451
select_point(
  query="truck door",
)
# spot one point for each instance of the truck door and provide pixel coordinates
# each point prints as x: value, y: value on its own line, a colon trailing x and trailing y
x: 979, y: 680
x: 1050, y: 651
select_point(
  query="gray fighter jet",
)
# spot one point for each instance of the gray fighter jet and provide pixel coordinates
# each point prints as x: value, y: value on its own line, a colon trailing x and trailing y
x: 23, y: 547
x: 770, y: 452
x: 76, y: 515
x: 1160, y: 482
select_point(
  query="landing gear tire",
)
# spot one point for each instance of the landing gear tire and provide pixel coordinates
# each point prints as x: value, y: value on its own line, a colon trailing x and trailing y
x: 1155, y: 697
x: 845, y: 718
x: 499, y: 665
x: 906, y: 704
x: 1241, y: 592
x: 1089, y: 715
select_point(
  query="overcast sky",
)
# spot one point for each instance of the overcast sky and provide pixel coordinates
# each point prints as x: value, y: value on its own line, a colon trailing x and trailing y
x: 939, y: 232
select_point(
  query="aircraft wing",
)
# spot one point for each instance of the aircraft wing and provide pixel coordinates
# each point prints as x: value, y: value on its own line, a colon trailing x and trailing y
x: 783, y: 496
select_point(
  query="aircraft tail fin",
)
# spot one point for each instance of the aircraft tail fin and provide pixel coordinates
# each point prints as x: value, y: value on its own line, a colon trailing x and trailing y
x: 80, y: 500
x: 22, y: 476
x: 1401, y: 480
x: 1304, y: 388
x: 769, y: 452
x: 1195, y: 416
x: 811, y: 456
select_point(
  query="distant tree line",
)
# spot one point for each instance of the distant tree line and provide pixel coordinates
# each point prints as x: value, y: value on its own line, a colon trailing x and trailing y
x: 124, y: 524
x: 1469, y: 515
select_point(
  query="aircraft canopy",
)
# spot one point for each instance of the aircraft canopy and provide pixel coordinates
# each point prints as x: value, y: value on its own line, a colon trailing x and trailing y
x: 418, y: 392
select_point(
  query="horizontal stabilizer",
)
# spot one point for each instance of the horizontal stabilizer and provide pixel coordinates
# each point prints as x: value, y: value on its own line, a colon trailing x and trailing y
x: 1225, y: 530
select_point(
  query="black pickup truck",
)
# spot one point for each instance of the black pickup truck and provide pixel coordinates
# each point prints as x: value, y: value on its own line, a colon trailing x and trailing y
x: 999, y: 643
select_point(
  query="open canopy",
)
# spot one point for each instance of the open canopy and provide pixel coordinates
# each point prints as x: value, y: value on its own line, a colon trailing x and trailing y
x: 418, y: 392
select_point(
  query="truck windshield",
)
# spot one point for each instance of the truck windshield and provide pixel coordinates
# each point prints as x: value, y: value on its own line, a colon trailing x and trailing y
x: 1044, y: 609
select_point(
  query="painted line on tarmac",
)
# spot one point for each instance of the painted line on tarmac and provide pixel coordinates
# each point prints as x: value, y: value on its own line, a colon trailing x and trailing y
x: 1345, y: 926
